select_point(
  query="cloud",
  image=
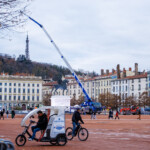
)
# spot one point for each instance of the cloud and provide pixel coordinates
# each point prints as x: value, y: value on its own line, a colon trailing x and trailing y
x: 91, y: 34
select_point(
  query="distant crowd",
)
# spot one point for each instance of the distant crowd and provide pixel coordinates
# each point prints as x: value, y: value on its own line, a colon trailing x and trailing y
x: 2, y: 112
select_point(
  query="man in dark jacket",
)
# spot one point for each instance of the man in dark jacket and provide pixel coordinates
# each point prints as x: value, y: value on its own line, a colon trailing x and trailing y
x: 41, y: 124
x: 75, y: 120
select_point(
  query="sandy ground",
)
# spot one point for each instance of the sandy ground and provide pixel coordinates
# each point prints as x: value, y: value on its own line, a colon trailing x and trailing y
x: 128, y: 133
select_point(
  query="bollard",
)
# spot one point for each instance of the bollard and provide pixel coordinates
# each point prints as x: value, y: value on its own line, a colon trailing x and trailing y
x: 6, y: 145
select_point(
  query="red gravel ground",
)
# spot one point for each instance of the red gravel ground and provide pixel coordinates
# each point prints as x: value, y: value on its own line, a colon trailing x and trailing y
x: 128, y: 133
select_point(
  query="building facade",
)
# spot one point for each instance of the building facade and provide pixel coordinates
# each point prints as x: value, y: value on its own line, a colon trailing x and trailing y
x: 22, y: 91
x: 130, y: 86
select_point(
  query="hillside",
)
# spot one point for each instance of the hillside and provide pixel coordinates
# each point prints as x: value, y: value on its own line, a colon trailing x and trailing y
x: 11, y: 66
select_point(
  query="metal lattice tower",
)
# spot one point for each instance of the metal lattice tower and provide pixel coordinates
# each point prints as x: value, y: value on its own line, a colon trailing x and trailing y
x: 27, y: 48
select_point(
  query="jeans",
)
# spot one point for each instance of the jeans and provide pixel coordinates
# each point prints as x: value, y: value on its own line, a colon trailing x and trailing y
x: 34, y: 130
x: 74, y: 128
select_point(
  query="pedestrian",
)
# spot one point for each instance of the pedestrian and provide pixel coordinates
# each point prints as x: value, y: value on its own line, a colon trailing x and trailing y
x: 7, y: 112
x: 110, y: 114
x: 12, y: 114
x: 2, y: 114
x: 117, y: 114
x: 139, y: 113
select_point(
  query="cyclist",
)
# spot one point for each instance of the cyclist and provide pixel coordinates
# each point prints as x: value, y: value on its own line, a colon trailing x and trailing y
x: 41, y: 124
x: 75, y: 120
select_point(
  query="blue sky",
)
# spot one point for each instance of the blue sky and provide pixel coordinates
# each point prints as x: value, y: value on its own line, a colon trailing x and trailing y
x: 92, y: 34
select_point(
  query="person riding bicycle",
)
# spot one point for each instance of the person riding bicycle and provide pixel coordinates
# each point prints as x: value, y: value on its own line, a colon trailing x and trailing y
x: 41, y: 124
x: 75, y: 120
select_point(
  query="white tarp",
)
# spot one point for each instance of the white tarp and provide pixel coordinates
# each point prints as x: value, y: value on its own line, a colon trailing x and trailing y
x: 60, y: 101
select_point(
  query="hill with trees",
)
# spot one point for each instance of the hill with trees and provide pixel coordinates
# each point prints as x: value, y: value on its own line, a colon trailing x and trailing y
x: 11, y: 66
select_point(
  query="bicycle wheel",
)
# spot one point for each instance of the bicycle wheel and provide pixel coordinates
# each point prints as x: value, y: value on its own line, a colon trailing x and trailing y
x: 69, y: 133
x: 83, y: 134
x: 20, y: 140
x: 61, y: 140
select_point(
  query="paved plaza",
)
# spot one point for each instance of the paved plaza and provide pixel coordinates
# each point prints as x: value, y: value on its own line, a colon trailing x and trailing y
x: 125, y: 134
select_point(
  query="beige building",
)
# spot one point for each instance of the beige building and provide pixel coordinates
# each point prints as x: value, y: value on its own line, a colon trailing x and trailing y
x: 23, y: 91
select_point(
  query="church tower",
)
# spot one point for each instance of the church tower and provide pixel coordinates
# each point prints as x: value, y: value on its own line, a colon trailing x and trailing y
x: 27, y: 49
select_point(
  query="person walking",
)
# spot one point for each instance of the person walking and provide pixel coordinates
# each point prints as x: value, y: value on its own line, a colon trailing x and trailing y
x: 117, y: 115
x: 12, y: 114
x: 7, y: 112
x: 139, y: 113
x: 2, y: 114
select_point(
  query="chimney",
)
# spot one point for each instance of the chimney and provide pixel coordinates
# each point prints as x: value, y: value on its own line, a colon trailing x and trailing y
x: 102, y: 71
x: 130, y: 69
x: 124, y: 72
x: 107, y: 72
x: 136, y: 68
x: 118, y: 71
x: 113, y: 71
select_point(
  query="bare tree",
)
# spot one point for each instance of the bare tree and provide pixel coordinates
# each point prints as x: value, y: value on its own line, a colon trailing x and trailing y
x: 10, y: 16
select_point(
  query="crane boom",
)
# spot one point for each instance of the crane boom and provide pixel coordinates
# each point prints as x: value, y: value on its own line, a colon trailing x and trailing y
x: 64, y: 59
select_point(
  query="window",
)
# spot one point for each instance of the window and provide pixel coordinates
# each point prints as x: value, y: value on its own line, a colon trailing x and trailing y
x: 37, y: 98
x: 93, y: 91
x: 126, y: 81
x: 5, y: 90
x: 9, y: 90
x: 19, y: 98
x: 14, y: 84
x: 116, y: 82
x: 9, y: 84
x: 15, y: 90
x: 0, y: 97
x: 24, y: 98
x: 14, y: 98
x: 32, y: 90
x: 19, y: 90
x: 88, y: 91
x: 33, y: 85
x: 93, y: 84
x: 139, y: 94
x: 88, y: 84
x: 116, y: 88
x: 38, y: 91
x: 23, y: 84
x: 5, y: 97
x: 132, y: 87
x: 119, y: 88
x: 28, y: 90
x: 132, y: 94
x: 10, y: 98
x: 126, y: 87
x: 0, y: 83
x: 0, y: 89
x: 104, y: 83
x: 24, y: 90
x: 132, y: 80
x: 78, y: 91
x: 113, y: 89
x: 28, y: 98
x: 139, y: 87
x: 139, y: 80
x: 28, y: 85
x: 32, y: 98
x: 5, y: 84
x: 19, y: 84
x: 37, y: 85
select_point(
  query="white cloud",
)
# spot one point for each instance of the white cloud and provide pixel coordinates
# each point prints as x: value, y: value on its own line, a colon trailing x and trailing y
x: 92, y: 34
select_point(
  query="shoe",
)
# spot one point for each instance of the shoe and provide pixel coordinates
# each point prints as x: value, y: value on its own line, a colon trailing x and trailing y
x: 30, y: 139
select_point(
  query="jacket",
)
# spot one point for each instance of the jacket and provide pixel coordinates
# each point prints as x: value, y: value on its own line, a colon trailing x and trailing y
x: 76, y: 117
x: 42, y: 122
